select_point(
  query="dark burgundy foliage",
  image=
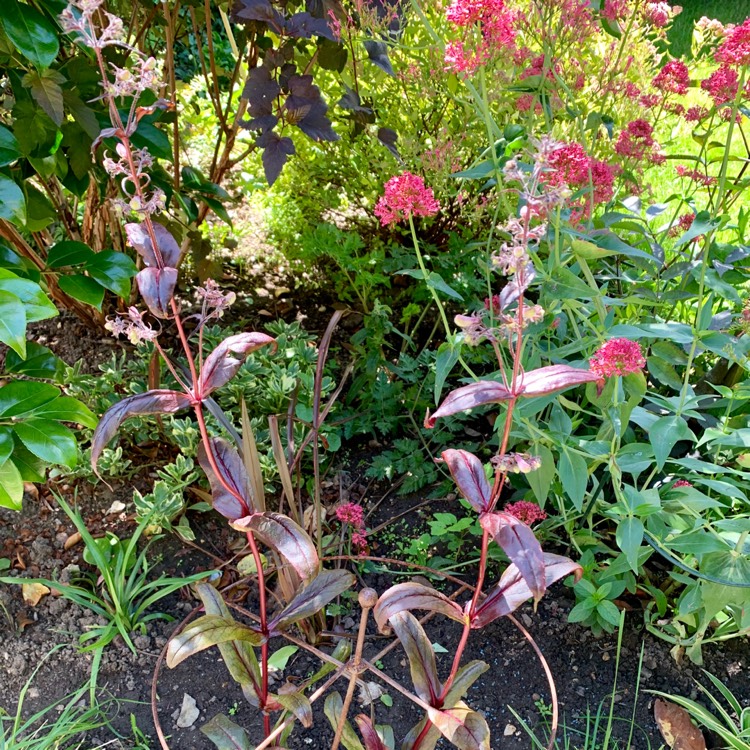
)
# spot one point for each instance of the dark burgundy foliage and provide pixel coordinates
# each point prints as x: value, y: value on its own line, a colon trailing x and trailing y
x: 389, y: 138
x: 515, y: 288
x: 377, y: 52
x: 468, y: 474
x: 150, y: 402
x: 421, y: 656
x: 232, y: 483
x: 467, y: 397
x: 412, y: 595
x: 157, y: 286
x: 224, y: 361
x: 139, y: 237
x: 370, y: 738
x: 276, y: 151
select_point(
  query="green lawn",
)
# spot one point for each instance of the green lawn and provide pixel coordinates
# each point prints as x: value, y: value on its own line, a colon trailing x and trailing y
x: 727, y: 11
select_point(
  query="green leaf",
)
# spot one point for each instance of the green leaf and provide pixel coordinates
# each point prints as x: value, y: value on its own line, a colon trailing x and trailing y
x: 207, y: 631
x: 113, y: 271
x: 663, y: 372
x: 68, y: 409
x: 447, y: 356
x: 9, y: 150
x: 69, y: 253
x: 83, y: 288
x: 47, y: 93
x: 40, y: 212
x: 280, y: 658
x: 31, y: 468
x: 629, y: 537
x: 435, y: 281
x: 23, y: 397
x: 574, y: 475
x: 582, y: 610
x: 665, y: 432
x: 13, y: 323
x: 50, y: 441
x: 6, y: 444
x: 38, y: 305
x: 540, y: 480
x: 225, y: 734
x: 11, y: 486
x: 12, y: 202
x: 30, y: 32
x: 40, y: 362
x: 608, y: 612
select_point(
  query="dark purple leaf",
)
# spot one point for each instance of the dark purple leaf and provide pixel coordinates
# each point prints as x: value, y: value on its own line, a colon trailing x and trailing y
x: 512, y: 590
x: 553, y: 379
x: 520, y: 545
x: 468, y: 474
x: 370, y: 737
x: 304, y: 26
x: 411, y: 595
x: 238, y: 502
x: 263, y: 123
x: 157, y: 286
x: 276, y: 151
x: 378, y: 54
x: 257, y: 10
x: 224, y: 361
x: 307, y: 110
x: 513, y: 290
x: 140, y: 238
x: 150, y: 402
x: 469, y: 396
x: 389, y: 138
x: 325, y: 587
x: 351, y: 101
x: 285, y: 537
x: 462, y: 727
x: 207, y: 631
x: 418, y: 648
x: 260, y: 91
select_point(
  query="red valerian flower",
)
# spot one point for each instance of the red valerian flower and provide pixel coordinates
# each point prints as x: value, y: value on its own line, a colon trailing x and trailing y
x: 735, y: 49
x: 525, y: 512
x: 682, y: 483
x: 673, y: 78
x: 351, y: 513
x: 722, y: 85
x: 405, y: 195
x: 617, y: 357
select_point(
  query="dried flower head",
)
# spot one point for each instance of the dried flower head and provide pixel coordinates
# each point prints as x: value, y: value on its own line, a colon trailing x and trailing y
x: 517, y: 463
x: 133, y: 327
x: 405, y: 196
x: 617, y: 357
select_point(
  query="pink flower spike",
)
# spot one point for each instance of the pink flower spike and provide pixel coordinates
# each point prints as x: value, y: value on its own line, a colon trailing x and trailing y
x: 525, y: 512
x: 405, y: 195
x: 617, y: 357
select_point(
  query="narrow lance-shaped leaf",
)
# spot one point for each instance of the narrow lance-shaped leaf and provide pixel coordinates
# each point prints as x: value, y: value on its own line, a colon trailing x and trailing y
x: 150, y: 402
x: 157, y: 286
x: 512, y: 590
x: 286, y: 537
x: 299, y: 704
x: 140, y: 238
x: 332, y: 709
x: 468, y: 474
x: 464, y: 728
x: 421, y: 655
x: 325, y: 587
x: 553, y: 379
x: 522, y: 547
x: 411, y: 595
x: 207, y: 631
x: 369, y: 734
x: 465, y: 678
x: 226, y: 735
x: 224, y: 361
x: 237, y: 503
x: 469, y: 396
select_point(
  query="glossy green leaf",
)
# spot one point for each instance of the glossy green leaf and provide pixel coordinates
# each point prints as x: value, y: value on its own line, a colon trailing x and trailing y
x: 9, y: 149
x: 47, y: 93
x: 11, y: 486
x: 207, y: 631
x: 664, y: 434
x: 38, y: 305
x: 51, y: 441
x: 6, y: 443
x: 69, y: 253
x: 13, y: 322
x: 22, y: 397
x: 68, y: 409
x: 30, y: 32
x: 113, y: 271
x: 12, y: 201
x: 83, y: 288
x: 40, y: 212
x: 40, y: 362
x: 31, y: 467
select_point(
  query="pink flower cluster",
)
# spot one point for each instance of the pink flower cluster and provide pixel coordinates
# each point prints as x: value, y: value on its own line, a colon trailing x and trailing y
x: 354, y: 515
x: 722, y: 85
x: 695, y: 176
x: 525, y: 512
x: 659, y: 14
x: 637, y: 142
x: 497, y: 25
x: 572, y: 166
x: 617, y: 357
x: 673, y: 78
x: 735, y: 49
x: 405, y: 196
x: 682, y: 483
